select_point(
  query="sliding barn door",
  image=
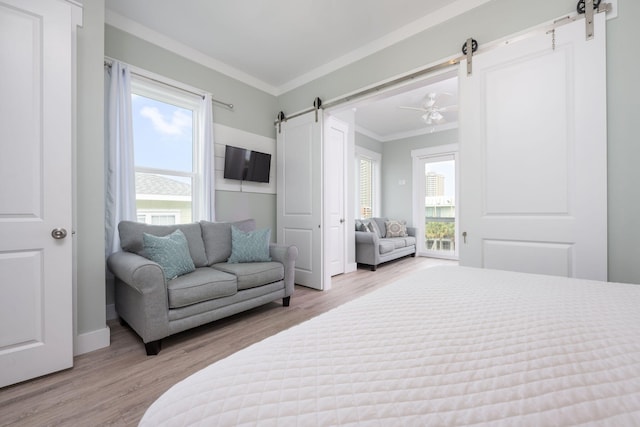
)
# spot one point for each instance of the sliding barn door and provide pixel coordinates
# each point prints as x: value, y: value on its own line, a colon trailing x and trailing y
x: 36, y: 89
x: 533, y: 155
x: 299, y: 197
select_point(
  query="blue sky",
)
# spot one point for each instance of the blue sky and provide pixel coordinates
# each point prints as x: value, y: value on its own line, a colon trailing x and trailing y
x: 163, y: 135
x: 446, y: 168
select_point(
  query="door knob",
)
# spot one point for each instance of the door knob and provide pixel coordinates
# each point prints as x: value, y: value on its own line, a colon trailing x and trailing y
x: 58, y: 233
x: 341, y: 220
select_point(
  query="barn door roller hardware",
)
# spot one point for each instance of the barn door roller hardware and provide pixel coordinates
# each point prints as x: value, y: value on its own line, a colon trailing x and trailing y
x: 589, y: 8
x: 468, y: 48
x: 279, y: 119
x: 317, y: 103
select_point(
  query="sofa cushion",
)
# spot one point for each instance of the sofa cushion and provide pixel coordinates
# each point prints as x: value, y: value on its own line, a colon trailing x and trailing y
x: 254, y: 274
x: 131, y: 238
x: 171, y: 252
x: 249, y: 246
x: 217, y: 238
x: 398, y: 242
x: 386, y: 246
x: 409, y: 240
x: 202, y: 285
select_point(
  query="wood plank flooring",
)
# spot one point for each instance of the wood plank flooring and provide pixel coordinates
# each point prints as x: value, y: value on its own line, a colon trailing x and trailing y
x: 115, y: 385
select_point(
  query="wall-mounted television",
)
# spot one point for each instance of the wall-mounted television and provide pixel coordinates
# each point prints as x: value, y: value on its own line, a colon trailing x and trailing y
x: 246, y: 165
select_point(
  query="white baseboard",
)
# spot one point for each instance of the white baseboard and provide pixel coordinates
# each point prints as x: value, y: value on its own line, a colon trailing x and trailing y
x: 94, y: 340
x: 351, y: 267
x: 111, y: 312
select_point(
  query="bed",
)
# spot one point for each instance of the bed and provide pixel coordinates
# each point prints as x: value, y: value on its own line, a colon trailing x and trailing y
x: 444, y: 346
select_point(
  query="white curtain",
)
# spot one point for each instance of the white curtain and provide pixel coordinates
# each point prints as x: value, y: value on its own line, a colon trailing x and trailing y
x: 120, y: 192
x: 208, y: 167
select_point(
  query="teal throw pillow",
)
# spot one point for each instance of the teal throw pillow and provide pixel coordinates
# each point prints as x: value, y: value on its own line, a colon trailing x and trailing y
x: 171, y: 252
x: 251, y: 246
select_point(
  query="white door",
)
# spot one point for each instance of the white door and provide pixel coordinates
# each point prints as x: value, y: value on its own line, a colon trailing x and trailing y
x: 299, y: 194
x: 335, y: 142
x: 36, y: 312
x: 533, y: 155
x: 435, y: 208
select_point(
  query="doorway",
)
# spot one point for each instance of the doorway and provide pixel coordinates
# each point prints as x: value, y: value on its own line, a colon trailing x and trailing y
x: 435, y: 193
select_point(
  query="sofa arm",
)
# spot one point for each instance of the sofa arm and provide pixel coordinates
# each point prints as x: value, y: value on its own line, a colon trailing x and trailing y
x: 287, y: 255
x: 364, y: 237
x: 141, y: 294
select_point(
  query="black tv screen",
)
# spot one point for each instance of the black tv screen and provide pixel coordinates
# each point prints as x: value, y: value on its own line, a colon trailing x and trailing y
x: 246, y: 165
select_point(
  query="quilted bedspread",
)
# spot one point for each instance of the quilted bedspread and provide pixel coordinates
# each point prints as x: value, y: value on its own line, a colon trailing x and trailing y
x: 445, y: 346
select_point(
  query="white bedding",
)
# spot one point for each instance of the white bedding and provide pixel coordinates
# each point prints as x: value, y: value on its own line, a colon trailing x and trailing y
x: 445, y: 346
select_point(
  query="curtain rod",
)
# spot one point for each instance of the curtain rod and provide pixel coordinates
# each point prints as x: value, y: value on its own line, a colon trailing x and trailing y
x: 226, y: 104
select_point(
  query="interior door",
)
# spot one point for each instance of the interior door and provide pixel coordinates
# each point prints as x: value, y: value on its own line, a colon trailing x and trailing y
x: 335, y: 142
x: 533, y: 155
x: 36, y: 311
x: 299, y: 194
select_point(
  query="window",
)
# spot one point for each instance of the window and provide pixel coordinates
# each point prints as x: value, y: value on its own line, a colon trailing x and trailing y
x: 167, y: 152
x: 435, y: 211
x: 367, y: 183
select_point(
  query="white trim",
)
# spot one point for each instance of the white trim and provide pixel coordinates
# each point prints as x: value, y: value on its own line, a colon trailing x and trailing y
x: 90, y: 341
x: 438, y: 17
x: 417, y: 132
x: 435, y: 150
x: 125, y: 24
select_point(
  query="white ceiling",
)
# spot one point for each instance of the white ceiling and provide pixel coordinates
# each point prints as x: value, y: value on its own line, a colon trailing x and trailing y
x: 277, y: 45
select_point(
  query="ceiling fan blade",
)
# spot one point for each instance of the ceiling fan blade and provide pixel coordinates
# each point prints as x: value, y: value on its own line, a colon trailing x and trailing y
x: 448, y: 108
x: 412, y: 108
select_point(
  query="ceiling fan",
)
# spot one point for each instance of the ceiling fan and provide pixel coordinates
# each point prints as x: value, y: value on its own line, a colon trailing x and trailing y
x: 432, y: 113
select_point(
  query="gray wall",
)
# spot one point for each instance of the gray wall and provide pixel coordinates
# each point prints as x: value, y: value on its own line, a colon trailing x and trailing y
x: 367, y: 142
x: 397, y: 167
x: 89, y: 173
x: 500, y: 18
x: 255, y: 111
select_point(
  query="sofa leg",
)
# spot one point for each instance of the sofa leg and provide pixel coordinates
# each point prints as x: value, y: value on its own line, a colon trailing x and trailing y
x: 153, y: 347
x: 286, y: 301
x: 373, y: 267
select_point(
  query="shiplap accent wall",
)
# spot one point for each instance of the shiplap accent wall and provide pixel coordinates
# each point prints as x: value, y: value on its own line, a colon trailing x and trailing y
x: 225, y: 135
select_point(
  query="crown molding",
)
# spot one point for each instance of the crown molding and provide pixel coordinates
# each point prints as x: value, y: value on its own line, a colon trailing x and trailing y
x: 134, y: 28
x: 441, y: 15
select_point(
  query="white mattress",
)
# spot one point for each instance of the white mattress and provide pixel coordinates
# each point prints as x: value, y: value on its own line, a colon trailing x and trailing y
x: 445, y: 346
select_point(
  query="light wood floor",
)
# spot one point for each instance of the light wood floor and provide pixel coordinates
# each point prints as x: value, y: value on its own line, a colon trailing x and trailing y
x: 115, y: 385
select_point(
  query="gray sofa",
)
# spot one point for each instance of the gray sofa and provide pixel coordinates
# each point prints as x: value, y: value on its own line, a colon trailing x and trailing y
x: 374, y: 246
x: 156, y: 307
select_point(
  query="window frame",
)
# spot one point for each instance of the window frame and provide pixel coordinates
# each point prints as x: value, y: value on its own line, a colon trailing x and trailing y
x: 376, y: 162
x: 170, y: 93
